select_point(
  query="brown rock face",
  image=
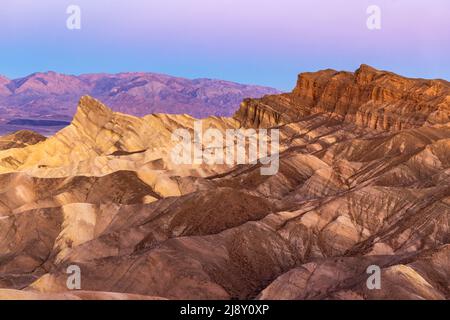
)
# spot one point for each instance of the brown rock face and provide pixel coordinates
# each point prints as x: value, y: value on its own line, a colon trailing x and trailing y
x: 363, y: 181
x: 368, y: 97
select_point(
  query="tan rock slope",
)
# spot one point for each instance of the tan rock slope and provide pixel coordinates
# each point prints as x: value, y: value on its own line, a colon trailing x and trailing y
x: 364, y: 180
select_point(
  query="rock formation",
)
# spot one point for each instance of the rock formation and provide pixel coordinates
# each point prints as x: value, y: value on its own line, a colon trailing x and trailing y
x: 368, y: 97
x: 20, y: 139
x: 364, y: 180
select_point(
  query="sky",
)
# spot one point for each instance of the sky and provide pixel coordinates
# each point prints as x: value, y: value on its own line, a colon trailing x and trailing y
x: 266, y: 42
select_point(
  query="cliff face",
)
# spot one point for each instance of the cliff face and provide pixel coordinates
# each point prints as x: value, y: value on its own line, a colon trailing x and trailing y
x: 368, y: 97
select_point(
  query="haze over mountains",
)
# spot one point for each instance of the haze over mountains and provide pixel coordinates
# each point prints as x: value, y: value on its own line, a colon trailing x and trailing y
x: 364, y: 180
x: 54, y: 96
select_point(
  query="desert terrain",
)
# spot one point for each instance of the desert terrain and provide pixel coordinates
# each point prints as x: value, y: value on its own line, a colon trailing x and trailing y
x: 364, y: 179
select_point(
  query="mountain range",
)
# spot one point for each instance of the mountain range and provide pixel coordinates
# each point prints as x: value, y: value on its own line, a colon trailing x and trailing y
x: 31, y: 101
x: 363, y: 181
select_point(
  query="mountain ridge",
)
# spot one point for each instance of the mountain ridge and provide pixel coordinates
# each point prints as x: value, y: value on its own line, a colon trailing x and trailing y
x: 54, y: 96
x: 369, y: 97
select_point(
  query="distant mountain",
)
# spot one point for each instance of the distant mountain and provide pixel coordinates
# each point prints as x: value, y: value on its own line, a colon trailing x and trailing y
x: 3, y: 88
x: 20, y: 139
x: 55, y: 96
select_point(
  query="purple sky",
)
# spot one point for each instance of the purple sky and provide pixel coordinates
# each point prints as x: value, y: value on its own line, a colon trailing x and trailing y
x: 250, y: 41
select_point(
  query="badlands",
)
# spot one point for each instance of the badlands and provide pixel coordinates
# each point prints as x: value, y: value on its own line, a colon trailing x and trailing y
x: 363, y: 180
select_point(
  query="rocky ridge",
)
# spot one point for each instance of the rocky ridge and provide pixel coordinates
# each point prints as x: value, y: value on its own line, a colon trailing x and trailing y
x: 368, y: 97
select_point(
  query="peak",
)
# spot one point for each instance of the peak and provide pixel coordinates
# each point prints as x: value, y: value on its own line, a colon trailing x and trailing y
x: 24, y: 135
x: 47, y: 73
x: 365, y: 74
x: 89, y: 104
x: 366, y: 68
x: 38, y: 76
x: 91, y: 110
x: 368, y: 97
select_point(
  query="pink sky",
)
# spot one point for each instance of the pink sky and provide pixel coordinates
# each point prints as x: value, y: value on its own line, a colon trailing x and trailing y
x: 254, y: 41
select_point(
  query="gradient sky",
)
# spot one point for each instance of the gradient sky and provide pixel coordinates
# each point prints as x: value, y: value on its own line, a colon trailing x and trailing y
x: 265, y: 42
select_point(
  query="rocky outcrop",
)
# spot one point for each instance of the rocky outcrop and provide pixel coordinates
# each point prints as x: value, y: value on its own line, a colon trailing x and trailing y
x: 100, y: 141
x: 368, y: 97
x: 20, y: 139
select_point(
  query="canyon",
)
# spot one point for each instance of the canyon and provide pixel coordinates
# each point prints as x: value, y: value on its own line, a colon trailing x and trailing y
x: 363, y: 179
